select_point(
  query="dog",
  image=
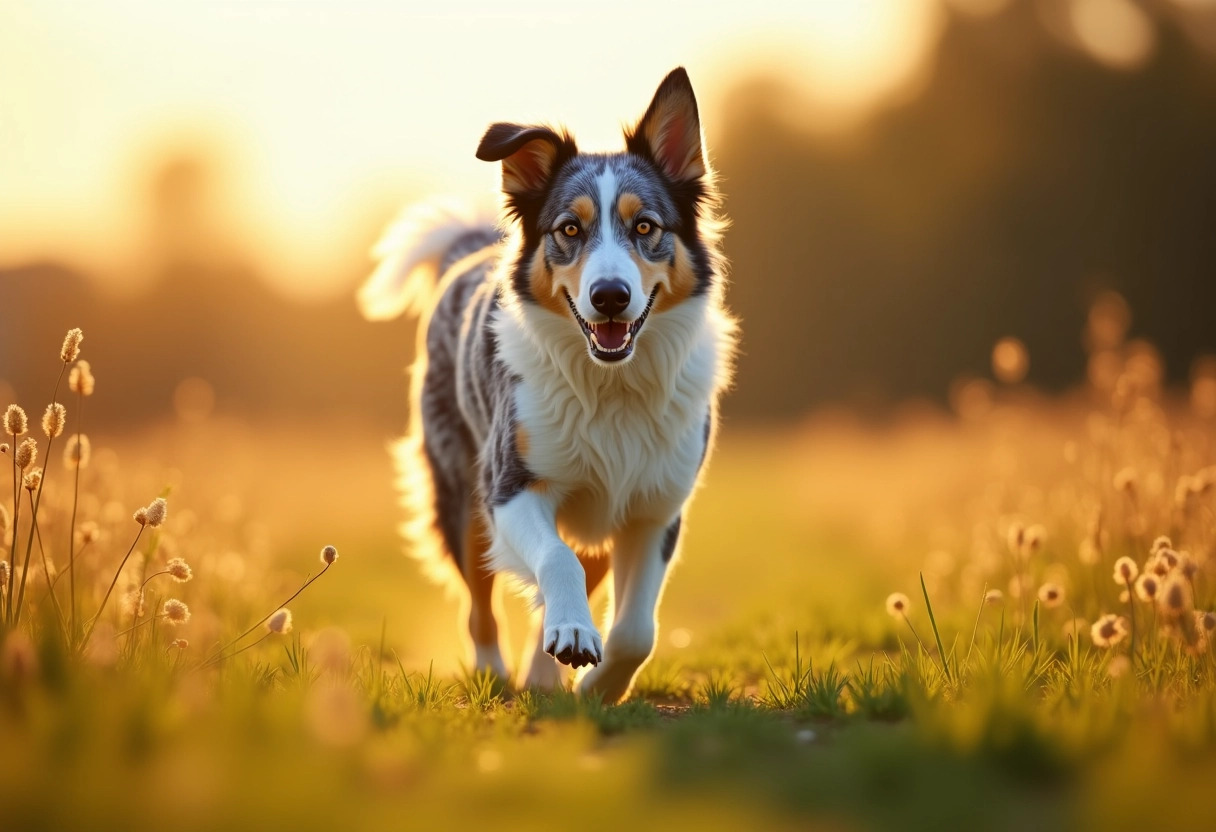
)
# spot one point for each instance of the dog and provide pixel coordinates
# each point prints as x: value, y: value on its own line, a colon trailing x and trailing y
x: 564, y: 397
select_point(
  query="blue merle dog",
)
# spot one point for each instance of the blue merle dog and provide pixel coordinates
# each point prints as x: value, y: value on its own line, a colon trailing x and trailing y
x: 565, y: 392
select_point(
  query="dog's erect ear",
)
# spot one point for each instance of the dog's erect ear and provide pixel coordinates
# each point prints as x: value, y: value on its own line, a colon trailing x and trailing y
x: 530, y: 155
x: 670, y: 132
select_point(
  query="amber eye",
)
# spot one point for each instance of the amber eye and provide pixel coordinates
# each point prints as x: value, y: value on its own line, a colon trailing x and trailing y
x: 642, y: 228
x: 570, y: 229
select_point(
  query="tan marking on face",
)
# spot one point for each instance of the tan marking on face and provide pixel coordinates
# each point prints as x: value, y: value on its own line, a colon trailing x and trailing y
x: 628, y: 206
x: 584, y: 208
x: 522, y: 441
x: 681, y: 281
x: 545, y: 289
x: 539, y: 487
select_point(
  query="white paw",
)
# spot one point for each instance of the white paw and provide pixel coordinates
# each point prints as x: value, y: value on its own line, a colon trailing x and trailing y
x: 573, y: 643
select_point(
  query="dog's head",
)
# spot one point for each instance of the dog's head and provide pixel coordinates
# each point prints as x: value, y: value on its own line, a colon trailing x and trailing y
x: 609, y: 240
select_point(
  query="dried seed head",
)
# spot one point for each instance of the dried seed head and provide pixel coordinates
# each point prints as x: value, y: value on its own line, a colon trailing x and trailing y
x: 1016, y: 538
x: 26, y: 454
x: 994, y: 596
x: 1175, y: 596
x: 70, y: 350
x: 1187, y: 565
x: 1035, y: 535
x: 156, y: 512
x: 5, y: 448
x: 1108, y: 630
x: 328, y: 555
x: 54, y: 419
x: 80, y: 379
x: 1125, y: 571
x: 180, y: 643
x: 1168, y: 558
x: 1161, y: 542
x: 141, y: 516
x: 33, y: 480
x: 176, y: 612
x: 1206, y: 621
x: 78, y: 451
x: 89, y: 532
x: 1051, y: 595
x: 179, y: 570
x: 15, y: 421
x: 1147, y: 586
x: 280, y: 622
x: 1125, y: 481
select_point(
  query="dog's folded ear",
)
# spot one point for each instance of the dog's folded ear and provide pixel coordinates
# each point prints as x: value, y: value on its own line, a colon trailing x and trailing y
x: 670, y: 132
x: 530, y: 155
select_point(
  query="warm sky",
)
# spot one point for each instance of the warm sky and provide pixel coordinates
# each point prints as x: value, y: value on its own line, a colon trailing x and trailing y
x: 326, y: 109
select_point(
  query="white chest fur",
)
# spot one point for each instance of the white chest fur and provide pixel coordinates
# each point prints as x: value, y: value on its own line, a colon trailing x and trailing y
x: 614, y: 443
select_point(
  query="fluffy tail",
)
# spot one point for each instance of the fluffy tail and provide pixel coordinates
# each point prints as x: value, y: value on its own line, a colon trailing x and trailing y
x: 415, y: 250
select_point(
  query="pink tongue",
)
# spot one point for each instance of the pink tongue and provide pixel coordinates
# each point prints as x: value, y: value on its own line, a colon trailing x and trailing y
x: 610, y: 335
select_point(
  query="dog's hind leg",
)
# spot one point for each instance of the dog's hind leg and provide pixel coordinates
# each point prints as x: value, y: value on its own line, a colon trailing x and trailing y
x: 544, y: 671
x: 483, y: 623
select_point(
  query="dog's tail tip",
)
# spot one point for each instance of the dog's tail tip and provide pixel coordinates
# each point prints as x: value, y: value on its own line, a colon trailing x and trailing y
x: 412, y: 254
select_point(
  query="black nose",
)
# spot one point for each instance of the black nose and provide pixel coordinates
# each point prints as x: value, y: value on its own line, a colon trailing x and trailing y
x: 610, y: 297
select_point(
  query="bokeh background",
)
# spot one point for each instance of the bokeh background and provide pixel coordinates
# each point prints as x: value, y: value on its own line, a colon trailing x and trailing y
x: 910, y: 183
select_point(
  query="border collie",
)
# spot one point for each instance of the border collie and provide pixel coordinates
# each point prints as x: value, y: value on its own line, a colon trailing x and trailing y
x: 564, y: 396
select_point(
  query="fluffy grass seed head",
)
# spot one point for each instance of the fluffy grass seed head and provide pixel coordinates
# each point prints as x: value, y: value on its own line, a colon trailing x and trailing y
x: 1108, y: 630
x: 1051, y: 595
x: 1205, y: 621
x: 1147, y: 586
x: 80, y: 379
x: 1175, y: 598
x: 33, y: 480
x: 994, y: 596
x: 280, y: 622
x: 26, y: 454
x: 1035, y: 535
x: 1125, y: 481
x: 155, y: 512
x: 70, y: 350
x: 15, y: 421
x: 53, y: 420
x: 176, y: 612
x: 328, y: 555
x: 1161, y: 542
x: 179, y: 643
x: 179, y: 570
x: 1125, y: 571
x: 141, y: 516
x: 78, y: 451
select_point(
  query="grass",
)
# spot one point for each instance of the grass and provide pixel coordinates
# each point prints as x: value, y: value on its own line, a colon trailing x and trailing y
x: 781, y: 694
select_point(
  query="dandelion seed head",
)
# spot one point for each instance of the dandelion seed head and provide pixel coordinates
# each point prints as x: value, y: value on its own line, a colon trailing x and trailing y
x: 4, y: 448
x: 994, y: 596
x: 176, y: 612
x: 1035, y: 535
x: 1125, y: 481
x: 1118, y: 667
x: 78, y: 451
x: 156, y: 511
x: 1147, y: 586
x: 141, y: 516
x: 328, y: 555
x: 26, y: 454
x: 280, y: 622
x: 70, y: 350
x: 1125, y: 570
x: 80, y: 379
x: 1175, y: 596
x: 179, y: 570
x: 1161, y: 542
x: 1108, y: 630
x: 1051, y: 595
x: 15, y: 421
x: 53, y: 420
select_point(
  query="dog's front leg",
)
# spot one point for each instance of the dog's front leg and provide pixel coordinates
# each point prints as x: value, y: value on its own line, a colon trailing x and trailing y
x: 640, y: 556
x: 526, y: 542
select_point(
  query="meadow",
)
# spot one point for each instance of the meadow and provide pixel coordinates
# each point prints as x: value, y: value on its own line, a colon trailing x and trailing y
x: 997, y: 617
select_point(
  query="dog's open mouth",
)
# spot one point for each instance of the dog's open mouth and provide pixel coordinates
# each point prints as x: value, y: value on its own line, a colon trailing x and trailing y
x: 612, y: 340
